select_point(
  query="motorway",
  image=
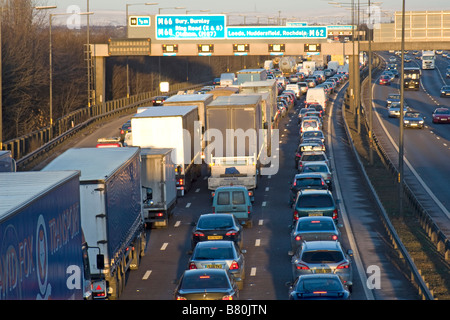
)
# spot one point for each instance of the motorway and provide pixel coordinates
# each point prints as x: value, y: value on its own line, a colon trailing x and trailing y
x: 427, y: 169
x: 268, y: 266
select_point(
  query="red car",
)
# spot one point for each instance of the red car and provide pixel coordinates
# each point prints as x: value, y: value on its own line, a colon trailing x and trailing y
x: 441, y: 115
x: 385, y: 80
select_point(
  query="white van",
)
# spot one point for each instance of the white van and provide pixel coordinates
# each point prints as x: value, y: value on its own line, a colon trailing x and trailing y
x: 316, y: 95
x: 294, y: 87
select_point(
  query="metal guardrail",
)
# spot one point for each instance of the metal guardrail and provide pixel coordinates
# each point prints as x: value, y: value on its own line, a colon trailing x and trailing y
x: 29, y: 147
x: 415, y: 275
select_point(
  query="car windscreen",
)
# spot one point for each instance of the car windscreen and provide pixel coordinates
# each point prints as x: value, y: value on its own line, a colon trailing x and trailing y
x: 315, y: 201
x: 322, y: 256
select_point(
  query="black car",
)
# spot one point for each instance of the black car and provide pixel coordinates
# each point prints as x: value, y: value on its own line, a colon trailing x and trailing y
x: 159, y: 100
x: 206, y: 284
x: 304, y: 181
x: 126, y: 128
x: 216, y: 82
x: 217, y: 226
x: 318, y: 287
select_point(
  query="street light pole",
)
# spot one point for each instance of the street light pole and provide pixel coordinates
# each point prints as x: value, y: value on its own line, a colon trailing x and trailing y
x: 402, y: 94
x: 370, y: 90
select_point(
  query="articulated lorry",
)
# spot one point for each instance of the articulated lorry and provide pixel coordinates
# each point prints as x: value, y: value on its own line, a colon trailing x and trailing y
x: 158, y: 185
x: 43, y: 254
x: 111, y: 211
x: 235, y: 143
x: 175, y: 127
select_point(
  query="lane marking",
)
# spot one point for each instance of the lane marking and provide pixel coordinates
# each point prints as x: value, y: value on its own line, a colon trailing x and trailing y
x: 257, y: 242
x: 267, y: 189
x: 147, y: 274
x: 177, y: 224
x: 197, y: 190
x: 188, y: 205
x: 253, y: 272
x: 263, y: 204
x: 164, y: 246
x: 261, y: 222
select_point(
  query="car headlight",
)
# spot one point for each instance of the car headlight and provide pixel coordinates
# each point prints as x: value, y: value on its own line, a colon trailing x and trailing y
x: 421, y: 121
x: 406, y: 121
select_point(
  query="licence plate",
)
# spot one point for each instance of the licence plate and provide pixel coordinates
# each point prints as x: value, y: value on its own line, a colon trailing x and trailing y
x: 315, y: 214
x: 215, y: 237
x: 414, y: 124
x: 214, y: 266
x: 322, y: 270
x: 158, y: 101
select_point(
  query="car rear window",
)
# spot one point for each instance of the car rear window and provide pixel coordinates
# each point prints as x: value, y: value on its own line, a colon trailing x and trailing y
x: 223, y: 222
x: 223, y: 198
x: 213, y: 253
x: 315, y: 201
x: 315, y: 225
x: 238, y: 197
x: 325, y: 256
x: 308, y: 182
x: 313, y: 157
x: 207, y: 281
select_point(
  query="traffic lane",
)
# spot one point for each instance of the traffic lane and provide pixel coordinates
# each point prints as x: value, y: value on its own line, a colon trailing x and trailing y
x: 168, y: 249
x: 270, y: 262
x: 364, y: 225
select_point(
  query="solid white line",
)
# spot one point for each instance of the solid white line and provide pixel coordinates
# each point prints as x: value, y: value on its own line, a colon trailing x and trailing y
x: 147, y: 274
x: 164, y: 246
x: 253, y: 272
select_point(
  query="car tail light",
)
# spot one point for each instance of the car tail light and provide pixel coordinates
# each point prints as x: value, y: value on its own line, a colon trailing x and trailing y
x: 122, y: 131
x: 320, y: 292
x: 192, y: 266
x: 334, y: 237
x: 231, y: 233
x: 295, y: 215
x: 227, y: 298
x: 199, y: 234
x: 213, y: 209
x: 301, y: 266
x: 248, y: 209
x: 298, y: 238
x: 344, y: 265
x: 181, y: 298
x: 335, y: 214
x: 234, y: 265
x: 180, y: 182
x: 160, y: 214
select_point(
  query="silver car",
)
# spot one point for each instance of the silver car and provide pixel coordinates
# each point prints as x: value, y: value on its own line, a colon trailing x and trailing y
x: 318, y: 167
x: 317, y: 257
x: 313, y: 229
x: 222, y: 254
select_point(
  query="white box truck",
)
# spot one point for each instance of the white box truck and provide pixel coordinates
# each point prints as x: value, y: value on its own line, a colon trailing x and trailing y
x: 175, y: 127
x: 159, y: 190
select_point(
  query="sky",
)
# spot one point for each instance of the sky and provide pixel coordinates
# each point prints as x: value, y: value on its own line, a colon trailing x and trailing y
x: 113, y: 11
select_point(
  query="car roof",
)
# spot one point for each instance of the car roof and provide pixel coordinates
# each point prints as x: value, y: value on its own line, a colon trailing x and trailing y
x: 230, y: 188
x: 321, y: 245
x: 313, y: 152
x: 314, y: 163
x: 315, y: 218
x: 215, y: 215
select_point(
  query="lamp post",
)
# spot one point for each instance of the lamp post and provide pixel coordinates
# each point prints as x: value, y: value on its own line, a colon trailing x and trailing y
x: 50, y: 59
x: 402, y: 91
x: 136, y: 4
